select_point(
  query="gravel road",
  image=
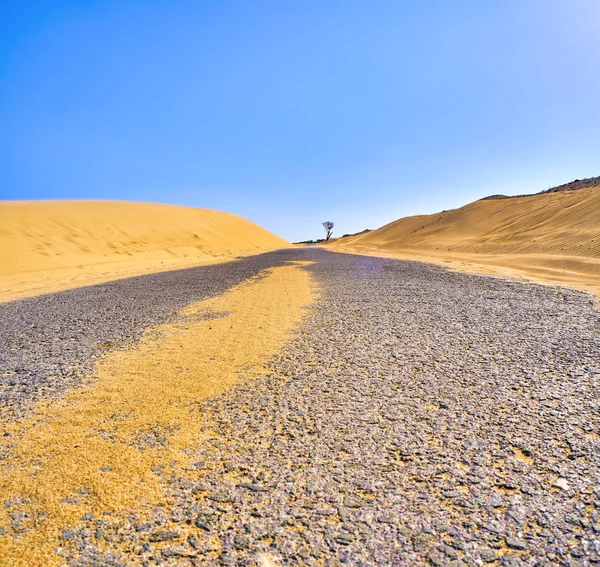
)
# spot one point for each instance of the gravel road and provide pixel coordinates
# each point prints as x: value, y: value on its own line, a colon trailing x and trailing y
x: 418, y: 416
x: 49, y: 342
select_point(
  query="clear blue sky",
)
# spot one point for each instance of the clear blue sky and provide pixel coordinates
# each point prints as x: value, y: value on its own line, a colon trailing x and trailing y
x: 294, y: 112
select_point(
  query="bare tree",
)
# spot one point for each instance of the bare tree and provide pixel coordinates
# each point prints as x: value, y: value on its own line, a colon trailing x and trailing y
x: 328, y: 226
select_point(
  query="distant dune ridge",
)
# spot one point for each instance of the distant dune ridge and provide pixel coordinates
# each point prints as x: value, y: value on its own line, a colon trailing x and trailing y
x: 51, y: 245
x: 571, y: 186
x: 551, y: 237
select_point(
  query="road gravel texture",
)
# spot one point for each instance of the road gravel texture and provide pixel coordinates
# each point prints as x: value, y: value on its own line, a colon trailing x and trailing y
x: 417, y: 417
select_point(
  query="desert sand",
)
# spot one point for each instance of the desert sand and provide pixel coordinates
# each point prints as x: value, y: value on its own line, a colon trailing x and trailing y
x: 547, y: 238
x: 48, y: 246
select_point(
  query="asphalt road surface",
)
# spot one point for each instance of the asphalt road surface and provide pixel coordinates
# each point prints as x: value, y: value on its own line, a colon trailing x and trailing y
x: 418, y: 416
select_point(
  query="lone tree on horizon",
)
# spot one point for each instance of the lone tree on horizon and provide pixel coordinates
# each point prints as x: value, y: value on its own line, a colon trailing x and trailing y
x: 328, y: 226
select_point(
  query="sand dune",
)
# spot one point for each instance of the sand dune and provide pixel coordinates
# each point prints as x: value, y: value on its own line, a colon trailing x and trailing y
x: 550, y: 238
x: 52, y: 245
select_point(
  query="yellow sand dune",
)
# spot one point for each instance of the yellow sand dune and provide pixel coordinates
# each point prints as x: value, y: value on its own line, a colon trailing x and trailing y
x: 548, y: 237
x: 52, y: 245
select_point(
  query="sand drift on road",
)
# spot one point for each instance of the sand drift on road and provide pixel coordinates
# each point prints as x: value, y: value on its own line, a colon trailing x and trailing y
x: 95, y: 451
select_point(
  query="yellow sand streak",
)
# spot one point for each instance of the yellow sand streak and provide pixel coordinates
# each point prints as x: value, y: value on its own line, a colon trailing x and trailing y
x: 150, y: 392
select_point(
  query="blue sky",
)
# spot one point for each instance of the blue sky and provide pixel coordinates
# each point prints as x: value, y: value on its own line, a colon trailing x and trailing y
x: 291, y: 113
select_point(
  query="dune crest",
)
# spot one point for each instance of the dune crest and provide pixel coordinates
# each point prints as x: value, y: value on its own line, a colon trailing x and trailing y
x: 551, y: 237
x: 52, y: 245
